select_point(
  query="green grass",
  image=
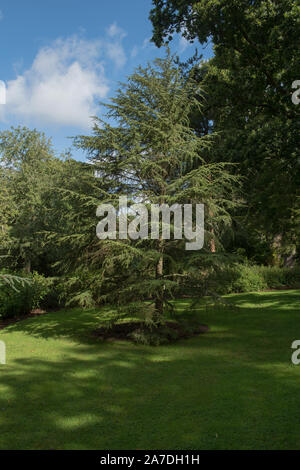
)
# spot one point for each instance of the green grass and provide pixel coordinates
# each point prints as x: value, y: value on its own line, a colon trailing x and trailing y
x: 233, y: 388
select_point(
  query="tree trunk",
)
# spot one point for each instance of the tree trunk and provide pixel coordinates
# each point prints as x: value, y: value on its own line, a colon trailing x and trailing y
x: 290, y: 259
x: 27, y: 266
x: 276, y: 249
x: 159, y: 303
x: 212, y: 242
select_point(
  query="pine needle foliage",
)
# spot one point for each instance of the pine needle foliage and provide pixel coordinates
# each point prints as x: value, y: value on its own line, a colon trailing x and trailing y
x: 147, y: 150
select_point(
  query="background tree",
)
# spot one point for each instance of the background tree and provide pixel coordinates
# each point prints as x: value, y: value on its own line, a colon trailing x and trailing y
x: 25, y: 156
x: 248, y: 86
x: 39, y: 204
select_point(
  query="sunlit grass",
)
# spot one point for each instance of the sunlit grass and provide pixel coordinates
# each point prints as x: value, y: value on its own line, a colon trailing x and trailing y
x: 233, y: 388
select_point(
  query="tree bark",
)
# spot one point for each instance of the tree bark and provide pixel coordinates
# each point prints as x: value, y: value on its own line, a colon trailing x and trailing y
x: 276, y: 249
x: 159, y: 303
x: 27, y: 266
x: 212, y: 242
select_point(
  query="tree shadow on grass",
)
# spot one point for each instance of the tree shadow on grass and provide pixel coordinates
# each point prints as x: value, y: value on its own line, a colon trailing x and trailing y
x: 75, y: 323
x: 78, y: 323
x: 122, y: 397
x: 233, y: 388
x: 276, y: 323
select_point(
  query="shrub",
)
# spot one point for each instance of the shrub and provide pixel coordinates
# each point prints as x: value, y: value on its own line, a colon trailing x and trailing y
x: 79, y: 289
x: 292, y: 277
x: 280, y: 277
x: 246, y: 278
x: 16, y: 298
x: 148, y: 337
x: 20, y: 298
x: 42, y: 287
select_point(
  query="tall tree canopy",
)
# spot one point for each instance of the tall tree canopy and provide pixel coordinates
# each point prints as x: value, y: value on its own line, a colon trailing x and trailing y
x: 152, y: 155
x: 248, y: 87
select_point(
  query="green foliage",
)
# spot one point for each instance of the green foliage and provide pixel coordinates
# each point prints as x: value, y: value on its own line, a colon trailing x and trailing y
x: 19, y: 294
x: 26, y: 157
x: 151, y: 154
x: 164, y: 140
x: 39, y: 203
x: 154, y: 337
x: 248, y: 88
x: 280, y: 277
x: 15, y: 295
x: 11, y: 280
x: 41, y: 289
x: 78, y: 288
x: 248, y: 278
x: 251, y: 278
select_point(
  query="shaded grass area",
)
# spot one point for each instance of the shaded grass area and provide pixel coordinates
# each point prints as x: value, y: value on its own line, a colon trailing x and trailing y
x: 232, y: 388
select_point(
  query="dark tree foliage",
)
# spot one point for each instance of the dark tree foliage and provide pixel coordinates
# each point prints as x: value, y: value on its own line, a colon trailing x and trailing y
x: 248, y: 91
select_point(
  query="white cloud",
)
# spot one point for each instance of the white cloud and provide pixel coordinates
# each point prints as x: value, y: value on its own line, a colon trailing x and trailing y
x: 137, y: 49
x: 65, y: 81
x: 116, y: 53
x: 115, y: 50
x: 183, y: 44
x: 61, y: 86
x: 115, y: 31
x: 146, y: 43
x: 134, y: 51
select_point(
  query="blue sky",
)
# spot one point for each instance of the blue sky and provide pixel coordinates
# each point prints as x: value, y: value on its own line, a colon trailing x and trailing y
x: 59, y: 58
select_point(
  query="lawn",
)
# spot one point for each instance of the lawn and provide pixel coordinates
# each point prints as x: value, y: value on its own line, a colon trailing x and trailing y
x: 232, y: 388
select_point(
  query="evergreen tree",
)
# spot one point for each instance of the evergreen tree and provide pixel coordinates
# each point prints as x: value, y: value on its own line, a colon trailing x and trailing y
x: 25, y: 156
x: 39, y: 203
x: 147, y: 150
